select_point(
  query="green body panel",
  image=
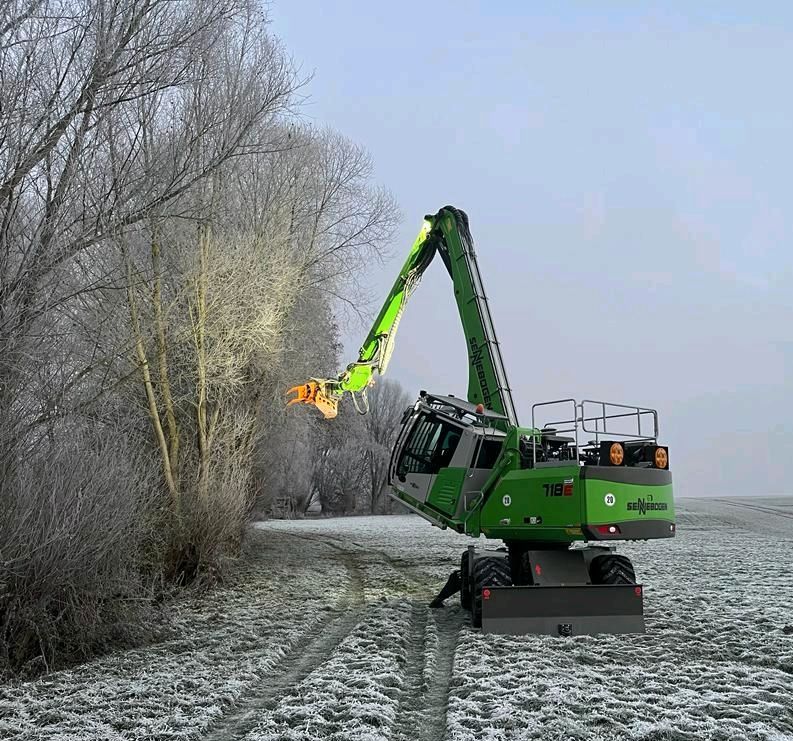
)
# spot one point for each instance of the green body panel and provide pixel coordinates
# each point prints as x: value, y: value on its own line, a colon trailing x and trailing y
x: 520, y: 495
x: 560, y: 518
x: 446, y: 489
x: 548, y: 504
x: 648, y: 502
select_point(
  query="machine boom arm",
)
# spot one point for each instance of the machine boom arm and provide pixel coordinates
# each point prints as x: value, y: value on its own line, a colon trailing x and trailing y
x: 445, y: 233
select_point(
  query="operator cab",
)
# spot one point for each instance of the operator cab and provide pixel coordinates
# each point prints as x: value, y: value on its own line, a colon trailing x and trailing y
x: 445, y: 437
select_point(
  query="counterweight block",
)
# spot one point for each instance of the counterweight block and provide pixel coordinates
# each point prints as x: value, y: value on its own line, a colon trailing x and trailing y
x: 563, y: 610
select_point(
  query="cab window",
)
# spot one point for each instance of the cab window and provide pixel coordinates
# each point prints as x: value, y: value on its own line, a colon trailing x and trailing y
x: 489, y: 451
x: 430, y: 447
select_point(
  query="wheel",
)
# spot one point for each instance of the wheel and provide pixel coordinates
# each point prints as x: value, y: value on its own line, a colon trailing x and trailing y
x: 489, y: 571
x: 465, y: 582
x: 612, y: 568
x: 520, y: 565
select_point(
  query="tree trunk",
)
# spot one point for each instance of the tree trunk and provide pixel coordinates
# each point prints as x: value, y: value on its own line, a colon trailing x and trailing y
x: 148, y: 386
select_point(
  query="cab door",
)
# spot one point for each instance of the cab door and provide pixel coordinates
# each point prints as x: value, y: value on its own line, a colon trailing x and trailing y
x: 480, y: 458
x: 425, y: 449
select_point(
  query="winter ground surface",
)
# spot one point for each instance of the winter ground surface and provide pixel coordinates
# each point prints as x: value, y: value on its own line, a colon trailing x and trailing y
x: 325, y: 634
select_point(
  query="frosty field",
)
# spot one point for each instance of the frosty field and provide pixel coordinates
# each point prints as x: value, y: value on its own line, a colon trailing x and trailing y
x: 325, y: 634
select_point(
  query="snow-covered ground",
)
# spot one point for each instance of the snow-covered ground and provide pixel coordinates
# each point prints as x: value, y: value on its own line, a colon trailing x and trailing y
x: 327, y: 636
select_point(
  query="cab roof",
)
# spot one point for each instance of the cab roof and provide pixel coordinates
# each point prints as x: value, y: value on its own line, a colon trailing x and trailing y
x: 462, y: 405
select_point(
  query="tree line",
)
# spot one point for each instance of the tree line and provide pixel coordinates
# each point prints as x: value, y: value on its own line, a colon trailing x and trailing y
x: 175, y: 240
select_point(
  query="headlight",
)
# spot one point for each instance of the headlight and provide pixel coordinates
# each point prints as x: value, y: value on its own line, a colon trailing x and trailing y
x: 616, y: 454
x: 661, y: 458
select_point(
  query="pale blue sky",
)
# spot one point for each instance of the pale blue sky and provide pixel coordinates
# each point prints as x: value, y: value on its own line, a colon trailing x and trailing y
x: 627, y: 173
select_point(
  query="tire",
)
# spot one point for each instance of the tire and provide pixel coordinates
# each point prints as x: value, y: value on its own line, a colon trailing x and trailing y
x: 489, y: 571
x: 465, y: 582
x: 520, y: 566
x: 612, y: 569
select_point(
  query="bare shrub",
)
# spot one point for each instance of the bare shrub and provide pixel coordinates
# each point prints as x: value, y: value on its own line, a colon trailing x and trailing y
x: 75, y: 528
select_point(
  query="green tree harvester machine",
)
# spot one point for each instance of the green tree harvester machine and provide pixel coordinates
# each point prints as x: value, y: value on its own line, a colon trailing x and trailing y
x: 558, y: 493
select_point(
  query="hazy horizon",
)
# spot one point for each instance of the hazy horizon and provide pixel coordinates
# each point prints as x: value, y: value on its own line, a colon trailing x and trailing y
x: 626, y: 173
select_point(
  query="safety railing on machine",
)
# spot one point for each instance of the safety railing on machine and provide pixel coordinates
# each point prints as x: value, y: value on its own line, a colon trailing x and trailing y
x: 602, y: 419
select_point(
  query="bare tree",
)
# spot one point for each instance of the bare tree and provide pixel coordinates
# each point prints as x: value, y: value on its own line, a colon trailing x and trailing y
x: 113, y: 113
x: 387, y: 403
x: 72, y: 75
x: 288, y: 438
x: 209, y: 348
x: 339, y: 464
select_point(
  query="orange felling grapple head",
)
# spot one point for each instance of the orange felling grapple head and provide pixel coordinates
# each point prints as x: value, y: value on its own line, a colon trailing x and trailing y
x: 316, y: 392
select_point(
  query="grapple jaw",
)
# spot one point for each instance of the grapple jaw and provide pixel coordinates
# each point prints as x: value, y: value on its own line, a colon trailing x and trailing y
x: 319, y: 393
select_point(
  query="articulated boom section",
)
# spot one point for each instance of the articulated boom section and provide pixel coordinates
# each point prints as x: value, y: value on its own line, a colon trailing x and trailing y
x: 487, y: 377
x: 447, y: 234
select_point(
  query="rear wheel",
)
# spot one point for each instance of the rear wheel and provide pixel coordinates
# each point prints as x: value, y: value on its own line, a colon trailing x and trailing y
x: 489, y: 571
x: 465, y: 582
x: 612, y: 568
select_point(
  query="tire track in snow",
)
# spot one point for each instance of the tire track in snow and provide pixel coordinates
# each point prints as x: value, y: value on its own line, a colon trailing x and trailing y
x: 447, y: 627
x: 309, y: 652
x: 431, y: 643
x: 396, y: 562
x: 414, y: 684
x: 432, y: 640
x: 758, y: 508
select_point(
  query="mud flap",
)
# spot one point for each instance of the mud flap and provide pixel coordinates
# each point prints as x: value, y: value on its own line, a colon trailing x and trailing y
x: 567, y: 610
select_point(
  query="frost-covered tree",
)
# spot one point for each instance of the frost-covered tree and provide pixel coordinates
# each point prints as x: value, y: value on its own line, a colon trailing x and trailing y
x: 166, y: 222
x: 387, y: 403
